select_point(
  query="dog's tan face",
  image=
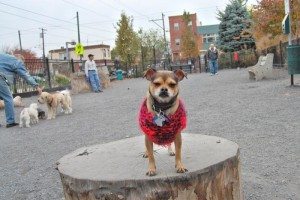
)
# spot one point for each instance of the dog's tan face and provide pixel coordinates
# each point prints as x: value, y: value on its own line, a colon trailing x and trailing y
x: 44, y: 97
x: 164, y: 84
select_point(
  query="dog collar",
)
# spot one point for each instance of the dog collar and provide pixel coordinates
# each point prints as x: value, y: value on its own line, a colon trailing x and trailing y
x: 161, y: 107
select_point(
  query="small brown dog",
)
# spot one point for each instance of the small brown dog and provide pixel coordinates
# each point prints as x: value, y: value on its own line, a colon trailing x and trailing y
x: 53, y: 101
x: 162, y: 116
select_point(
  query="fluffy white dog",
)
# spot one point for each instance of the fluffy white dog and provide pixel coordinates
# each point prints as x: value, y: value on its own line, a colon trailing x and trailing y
x: 67, y: 95
x: 29, y: 115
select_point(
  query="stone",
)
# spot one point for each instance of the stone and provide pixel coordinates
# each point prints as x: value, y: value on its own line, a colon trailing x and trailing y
x: 117, y: 170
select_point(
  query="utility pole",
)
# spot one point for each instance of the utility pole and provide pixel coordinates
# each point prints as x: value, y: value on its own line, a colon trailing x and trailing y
x: 164, y: 29
x: 20, y: 42
x: 42, y: 35
x: 78, y: 31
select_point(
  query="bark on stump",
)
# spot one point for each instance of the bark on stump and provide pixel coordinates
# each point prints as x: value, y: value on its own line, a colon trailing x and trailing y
x: 117, y: 170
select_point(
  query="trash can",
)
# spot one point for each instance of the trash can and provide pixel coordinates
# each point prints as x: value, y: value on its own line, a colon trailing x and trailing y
x: 293, y: 59
x: 119, y: 74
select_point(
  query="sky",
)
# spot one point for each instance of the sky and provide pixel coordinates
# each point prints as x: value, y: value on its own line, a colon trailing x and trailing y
x: 97, y: 19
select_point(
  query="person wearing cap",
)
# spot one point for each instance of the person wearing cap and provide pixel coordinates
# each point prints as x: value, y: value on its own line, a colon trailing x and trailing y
x: 9, y: 67
x: 91, y: 74
x: 212, y: 55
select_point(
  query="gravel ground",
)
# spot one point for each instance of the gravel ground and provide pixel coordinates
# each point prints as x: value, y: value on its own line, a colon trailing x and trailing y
x: 262, y: 117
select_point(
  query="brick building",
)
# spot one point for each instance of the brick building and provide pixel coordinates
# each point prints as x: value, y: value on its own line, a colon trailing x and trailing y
x: 176, y: 27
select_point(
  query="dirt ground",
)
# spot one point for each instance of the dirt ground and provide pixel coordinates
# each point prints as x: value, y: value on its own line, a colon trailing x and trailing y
x: 262, y: 117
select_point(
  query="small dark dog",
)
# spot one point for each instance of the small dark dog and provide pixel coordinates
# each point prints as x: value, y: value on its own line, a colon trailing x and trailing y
x: 41, y: 114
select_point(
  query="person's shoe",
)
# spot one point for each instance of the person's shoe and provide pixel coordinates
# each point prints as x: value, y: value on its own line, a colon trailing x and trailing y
x: 11, y: 125
x: 211, y: 74
x: 97, y: 91
x: 100, y: 90
x: 216, y: 73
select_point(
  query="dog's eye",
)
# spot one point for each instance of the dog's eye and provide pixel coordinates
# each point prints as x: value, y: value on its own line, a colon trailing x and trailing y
x: 156, y: 84
x: 172, y: 85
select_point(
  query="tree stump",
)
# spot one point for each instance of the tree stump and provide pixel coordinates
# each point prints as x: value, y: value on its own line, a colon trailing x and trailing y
x: 117, y: 170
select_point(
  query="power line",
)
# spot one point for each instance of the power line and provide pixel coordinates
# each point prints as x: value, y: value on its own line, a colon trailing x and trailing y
x: 54, y: 18
x: 60, y: 27
x: 37, y: 13
x: 87, y: 9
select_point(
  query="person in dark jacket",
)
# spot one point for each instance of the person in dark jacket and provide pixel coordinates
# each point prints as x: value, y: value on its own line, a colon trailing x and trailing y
x: 212, y: 55
x: 9, y: 67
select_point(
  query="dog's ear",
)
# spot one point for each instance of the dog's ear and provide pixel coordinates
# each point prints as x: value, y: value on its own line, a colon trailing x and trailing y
x: 149, y: 74
x: 180, y: 74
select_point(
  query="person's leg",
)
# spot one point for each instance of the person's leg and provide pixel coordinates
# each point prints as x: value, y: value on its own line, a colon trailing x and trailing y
x: 217, y: 67
x: 92, y: 81
x: 8, y: 102
x: 97, y: 78
x: 211, y: 67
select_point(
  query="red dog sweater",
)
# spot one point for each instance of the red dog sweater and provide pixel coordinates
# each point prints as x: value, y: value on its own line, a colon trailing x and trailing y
x: 162, y: 135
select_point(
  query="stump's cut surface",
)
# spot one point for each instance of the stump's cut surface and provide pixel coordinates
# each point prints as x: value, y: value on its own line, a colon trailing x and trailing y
x: 117, y: 170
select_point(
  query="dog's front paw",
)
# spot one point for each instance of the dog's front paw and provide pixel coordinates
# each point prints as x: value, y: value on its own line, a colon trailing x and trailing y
x: 151, y: 172
x: 171, y: 153
x: 180, y: 168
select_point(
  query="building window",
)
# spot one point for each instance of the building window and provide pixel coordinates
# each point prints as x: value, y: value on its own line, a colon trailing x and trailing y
x: 104, y: 53
x: 176, y: 26
x: 190, y: 23
x: 210, y: 39
x: 177, y: 41
x: 62, y: 56
x: 204, y: 40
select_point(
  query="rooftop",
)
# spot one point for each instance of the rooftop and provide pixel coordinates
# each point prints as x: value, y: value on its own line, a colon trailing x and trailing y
x: 85, y: 47
x: 208, y: 29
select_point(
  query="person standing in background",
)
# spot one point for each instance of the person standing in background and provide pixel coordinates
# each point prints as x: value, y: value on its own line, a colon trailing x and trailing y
x: 212, y: 55
x: 91, y: 74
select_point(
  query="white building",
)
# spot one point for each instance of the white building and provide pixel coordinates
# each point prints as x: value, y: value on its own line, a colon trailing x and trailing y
x: 100, y: 52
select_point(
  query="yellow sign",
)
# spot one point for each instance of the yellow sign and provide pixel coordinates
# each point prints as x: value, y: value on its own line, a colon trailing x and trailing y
x: 79, y: 49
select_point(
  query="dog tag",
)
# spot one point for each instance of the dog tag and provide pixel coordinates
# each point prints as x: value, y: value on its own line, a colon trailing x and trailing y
x: 159, y: 120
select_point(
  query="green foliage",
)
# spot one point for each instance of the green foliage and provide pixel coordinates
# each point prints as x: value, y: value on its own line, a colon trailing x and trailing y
x: 152, y: 39
x: 127, y: 41
x: 247, y: 58
x: 62, y: 80
x: 189, y: 46
x: 234, y: 27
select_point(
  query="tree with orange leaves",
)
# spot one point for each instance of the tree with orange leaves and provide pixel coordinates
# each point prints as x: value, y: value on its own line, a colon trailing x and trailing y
x: 267, y: 17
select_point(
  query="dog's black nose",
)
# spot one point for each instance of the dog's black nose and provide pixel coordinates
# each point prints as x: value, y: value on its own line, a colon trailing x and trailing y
x: 164, y: 90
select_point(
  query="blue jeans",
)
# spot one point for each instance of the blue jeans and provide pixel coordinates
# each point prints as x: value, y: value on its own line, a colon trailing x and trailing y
x: 8, y: 101
x: 213, y: 64
x: 94, y: 80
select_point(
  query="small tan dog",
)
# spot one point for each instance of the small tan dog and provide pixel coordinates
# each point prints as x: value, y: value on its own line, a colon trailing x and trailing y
x: 17, y: 102
x: 162, y: 115
x: 54, y: 100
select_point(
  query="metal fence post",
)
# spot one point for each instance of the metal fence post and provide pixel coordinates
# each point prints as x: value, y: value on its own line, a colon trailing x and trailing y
x: 72, y: 65
x: 48, y: 71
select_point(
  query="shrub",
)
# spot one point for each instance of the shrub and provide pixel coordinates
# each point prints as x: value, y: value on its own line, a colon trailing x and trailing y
x: 62, y: 80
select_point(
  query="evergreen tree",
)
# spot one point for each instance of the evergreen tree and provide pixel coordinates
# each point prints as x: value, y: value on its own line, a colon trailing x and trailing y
x: 189, y: 46
x: 127, y: 41
x: 234, y: 33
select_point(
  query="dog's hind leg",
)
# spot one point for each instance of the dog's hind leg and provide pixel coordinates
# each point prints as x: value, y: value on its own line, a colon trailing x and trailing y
x: 21, y: 123
x: 152, y: 167
x: 145, y: 155
x: 27, y: 122
x: 170, y: 150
